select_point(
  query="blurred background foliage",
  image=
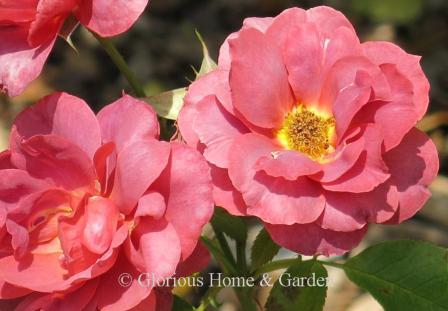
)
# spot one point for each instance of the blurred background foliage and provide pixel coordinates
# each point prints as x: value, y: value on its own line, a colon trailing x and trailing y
x: 162, y: 48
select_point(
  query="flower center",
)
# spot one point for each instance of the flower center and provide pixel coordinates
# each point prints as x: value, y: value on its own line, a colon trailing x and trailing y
x: 307, y: 131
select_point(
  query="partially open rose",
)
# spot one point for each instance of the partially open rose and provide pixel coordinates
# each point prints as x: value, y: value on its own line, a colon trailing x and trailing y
x: 312, y: 131
x: 85, y: 198
x: 29, y: 28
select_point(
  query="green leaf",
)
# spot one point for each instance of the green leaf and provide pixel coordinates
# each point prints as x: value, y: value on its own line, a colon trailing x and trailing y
x: 403, y: 275
x: 232, y: 226
x: 263, y: 250
x: 168, y: 104
x: 303, y: 294
x: 181, y: 305
x: 215, y: 250
x: 208, y: 64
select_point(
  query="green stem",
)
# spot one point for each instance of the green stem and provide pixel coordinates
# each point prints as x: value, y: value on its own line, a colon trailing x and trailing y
x: 240, y: 267
x: 275, y: 265
x: 119, y: 61
x: 209, y: 295
x: 241, y: 256
x: 331, y: 264
x: 226, y: 266
x: 224, y: 246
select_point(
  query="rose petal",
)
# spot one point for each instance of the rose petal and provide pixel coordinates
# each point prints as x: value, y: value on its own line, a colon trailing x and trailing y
x: 224, y: 193
x: 164, y: 299
x: 340, y: 43
x: 185, y: 124
x: 101, y: 218
x: 41, y: 273
x: 110, y: 20
x: 78, y: 299
x: 151, y: 204
x: 259, y: 23
x: 19, y: 238
x: 341, y: 213
x: 347, y: 89
x: 310, y: 239
x: 369, y: 171
x: 275, y: 200
x: 16, y: 184
x: 380, y: 204
x: 115, y: 293
x: 50, y: 16
x: 303, y: 56
x: 57, y: 161
x: 253, y: 59
x: 148, y: 304
x: 328, y: 19
x: 72, y: 300
x: 152, y: 237
x: 8, y: 291
x: 19, y: 62
x: 216, y: 128
x: 385, y: 112
x: 105, y: 159
x: 35, y: 301
x: 342, y: 159
x: 44, y: 272
x: 388, y: 53
x: 214, y: 83
x: 5, y: 160
x: 186, y: 186
x: 138, y: 165
x: 62, y: 115
x: 279, y: 30
x: 126, y: 121
x: 288, y: 164
x: 197, y: 261
x: 279, y: 201
x: 17, y: 11
x: 76, y: 256
x: 413, y: 173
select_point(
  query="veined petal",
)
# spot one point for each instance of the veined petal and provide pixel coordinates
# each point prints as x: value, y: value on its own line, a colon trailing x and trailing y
x: 20, y: 63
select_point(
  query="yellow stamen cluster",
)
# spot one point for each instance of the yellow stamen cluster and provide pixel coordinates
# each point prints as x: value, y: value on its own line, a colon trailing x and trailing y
x: 307, y: 131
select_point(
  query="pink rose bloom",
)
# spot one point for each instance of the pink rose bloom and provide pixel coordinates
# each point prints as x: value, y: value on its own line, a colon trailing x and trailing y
x: 312, y: 131
x: 29, y: 28
x: 85, y: 198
